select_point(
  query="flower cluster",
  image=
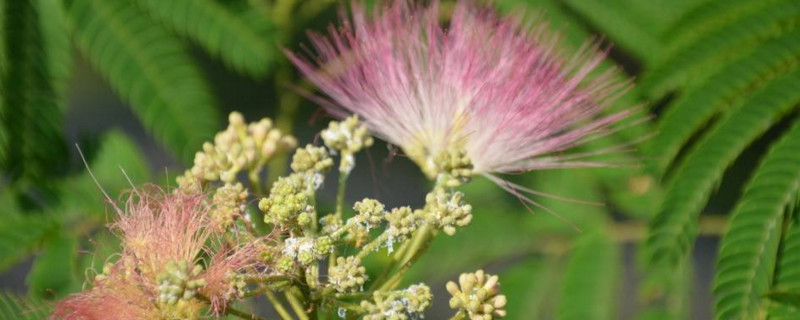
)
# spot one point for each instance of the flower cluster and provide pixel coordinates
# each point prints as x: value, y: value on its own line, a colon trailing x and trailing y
x: 476, y: 294
x: 398, y: 305
x: 240, y: 147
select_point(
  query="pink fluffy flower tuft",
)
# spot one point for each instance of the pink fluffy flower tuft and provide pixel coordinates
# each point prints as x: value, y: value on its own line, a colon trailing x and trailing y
x: 508, y: 98
x: 159, y: 227
x: 164, y: 267
x: 221, y: 274
x: 117, y: 293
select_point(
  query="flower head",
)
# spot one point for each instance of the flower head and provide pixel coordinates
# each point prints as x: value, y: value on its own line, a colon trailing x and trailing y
x: 164, y: 265
x: 483, y: 86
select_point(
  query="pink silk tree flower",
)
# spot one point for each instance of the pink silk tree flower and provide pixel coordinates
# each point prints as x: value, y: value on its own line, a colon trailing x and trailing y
x: 484, y: 87
x: 168, y: 261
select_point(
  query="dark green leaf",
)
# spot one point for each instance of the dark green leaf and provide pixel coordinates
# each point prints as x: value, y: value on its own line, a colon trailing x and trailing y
x: 246, y: 45
x: 150, y: 68
x: 53, y: 271
x: 748, y: 250
x: 673, y: 230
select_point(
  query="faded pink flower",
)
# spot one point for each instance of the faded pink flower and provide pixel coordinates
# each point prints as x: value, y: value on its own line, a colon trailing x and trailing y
x: 158, y: 227
x: 220, y: 275
x: 510, y: 99
x: 166, y: 239
x: 117, y: 293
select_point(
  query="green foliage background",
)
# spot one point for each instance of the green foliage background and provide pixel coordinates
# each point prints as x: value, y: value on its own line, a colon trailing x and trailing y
x: 720, y: 76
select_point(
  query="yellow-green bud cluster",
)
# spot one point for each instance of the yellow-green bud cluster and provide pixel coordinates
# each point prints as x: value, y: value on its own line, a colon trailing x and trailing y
x: 347, y: 275
x: 307, y: 250
x: 228, y: 203
x: 446, y: 211
x: 324, y: 245
x: 418, y: 298
x: 477, y: 295
x: 398, y: 305
x: 178, y: 282
x: 287, y: 199
x: 386, y: 306
x: 402, y: 223
x: 347, y: 137
x: 285, y: 264
x: 454, y: 167
x: 370, y: 212
x: 238, y: 286
x: 240, y: 146
x: 330, y: 223
x: 311, y: 158
x: 357, y: 234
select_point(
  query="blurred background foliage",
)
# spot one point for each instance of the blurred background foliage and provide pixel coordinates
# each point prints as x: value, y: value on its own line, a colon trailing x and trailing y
x: 722, y: 158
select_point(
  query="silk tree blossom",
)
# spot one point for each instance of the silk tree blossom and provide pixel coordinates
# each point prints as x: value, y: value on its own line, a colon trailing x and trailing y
x: 164, y: 266
x: 508, y: 99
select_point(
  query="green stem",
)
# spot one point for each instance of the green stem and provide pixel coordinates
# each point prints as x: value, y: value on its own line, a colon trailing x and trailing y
x: 419, y: 245
x: 341, y: 304
x: 458, y: 316
x: 340, y: 193
x: 373, y: 246
x: 296, y: 305
x: 241, y: 314
x: 277, y: 305
x: 387, y: 270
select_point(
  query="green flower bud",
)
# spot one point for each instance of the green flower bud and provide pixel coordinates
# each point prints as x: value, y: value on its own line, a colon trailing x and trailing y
x: 228, y: 203
x: 402, y: 223
x: 370, y: 212
x: 477, y: 295
x: 454, y: 167
x: 311, y: 158
x: 447, y: 211
x: 178, y: 282
x: 347, y: 275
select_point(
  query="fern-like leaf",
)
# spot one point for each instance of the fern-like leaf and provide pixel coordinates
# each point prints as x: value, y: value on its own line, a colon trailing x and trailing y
x: 31, y: 144
x: 735, y: 82
x: 148, y: 67
x: 20, y: 236
x: 630, y: 30
x: 243, y: 44
x: 14, y: 307
x: 787, y: 275
x: 707, y: 16
x: 673, y: 230
x: 691, y: 64
x: 590, y: 280
x: 747, y: 253
x: 527, y: 286
x: 53, y: 272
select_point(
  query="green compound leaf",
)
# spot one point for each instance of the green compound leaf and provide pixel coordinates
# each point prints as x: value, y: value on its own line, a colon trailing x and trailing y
x: 590, y: 280
x: 21, y: 236
x: 748, y: 250
x: 31, y: 143
x: 149, y: 68
x: 528, y: 285
x: 243, y: 44
x: 53, y: 272
x: 14, y: 307
x: 673, y: 230
x: 727, y: 88
x: 708, y: 52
